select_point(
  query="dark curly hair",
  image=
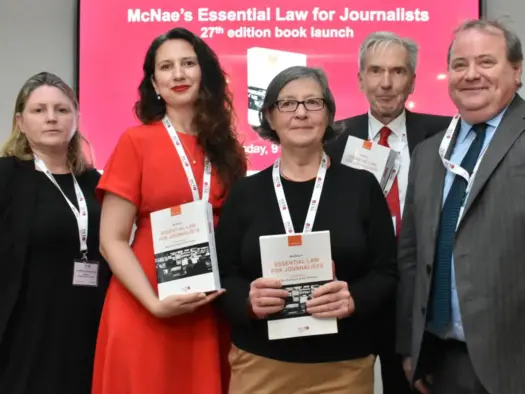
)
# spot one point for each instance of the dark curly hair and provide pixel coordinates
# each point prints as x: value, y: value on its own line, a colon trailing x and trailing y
x: 215, y: 116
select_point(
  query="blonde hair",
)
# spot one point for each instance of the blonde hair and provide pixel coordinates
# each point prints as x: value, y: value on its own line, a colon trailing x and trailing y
x: 17, y: 144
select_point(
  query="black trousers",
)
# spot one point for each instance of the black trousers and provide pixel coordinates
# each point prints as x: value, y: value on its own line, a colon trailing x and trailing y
x: 392, y: 374
x: 449, y: 363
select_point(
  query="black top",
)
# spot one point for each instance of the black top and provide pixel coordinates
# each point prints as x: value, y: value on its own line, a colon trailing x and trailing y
x: 352, y: 207
x: 48, y: 342
x: 418, y: 127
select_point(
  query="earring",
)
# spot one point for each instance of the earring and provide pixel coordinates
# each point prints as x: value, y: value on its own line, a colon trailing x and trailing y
x: 158, y: 96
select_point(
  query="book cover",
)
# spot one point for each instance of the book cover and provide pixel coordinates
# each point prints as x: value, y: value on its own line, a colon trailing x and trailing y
x: 370, y: 156
x: 184, y: 248
x: 263, y: 65
x: 302, y: 262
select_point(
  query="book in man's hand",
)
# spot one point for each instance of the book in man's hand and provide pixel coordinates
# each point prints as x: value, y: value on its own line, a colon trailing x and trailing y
x: 302, y: 262
x: 370, y: 156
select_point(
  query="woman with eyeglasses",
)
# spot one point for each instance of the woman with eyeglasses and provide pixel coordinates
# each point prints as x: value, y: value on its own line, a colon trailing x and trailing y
x: 298, y: 113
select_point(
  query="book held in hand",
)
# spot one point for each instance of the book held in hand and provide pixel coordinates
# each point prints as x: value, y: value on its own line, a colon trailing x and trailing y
x: 184, y: 248
x: 370, y: 156
x: 302, y: 262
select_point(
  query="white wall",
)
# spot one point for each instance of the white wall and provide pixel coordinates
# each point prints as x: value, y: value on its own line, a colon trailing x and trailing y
x: 512, y: 13
x: 37, y: 35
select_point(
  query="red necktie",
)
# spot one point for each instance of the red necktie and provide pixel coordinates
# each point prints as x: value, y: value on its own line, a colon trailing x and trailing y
x: 393, y: 195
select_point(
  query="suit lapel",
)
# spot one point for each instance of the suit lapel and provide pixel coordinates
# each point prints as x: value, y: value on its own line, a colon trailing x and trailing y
x: 413, y: 136
x: 435, y: 189
x: 435, y: 199
x: 359, y: 128
x: 452, y: 144
x: 356, y: 127
x: 24, y: 199
x: 510, y: 128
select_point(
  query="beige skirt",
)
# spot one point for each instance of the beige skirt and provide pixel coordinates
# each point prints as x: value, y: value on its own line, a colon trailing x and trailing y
x: 251, y: 374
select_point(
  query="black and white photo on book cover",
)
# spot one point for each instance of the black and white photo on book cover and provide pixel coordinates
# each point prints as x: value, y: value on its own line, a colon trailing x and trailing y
x: 255, y: 98
x: 295, y: 303
x: 183, y: 263
x: 302, y: 263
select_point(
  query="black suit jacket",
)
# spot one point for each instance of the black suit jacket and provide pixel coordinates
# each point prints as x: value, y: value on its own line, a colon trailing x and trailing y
x: 18, y: 193
x: 419, y: 128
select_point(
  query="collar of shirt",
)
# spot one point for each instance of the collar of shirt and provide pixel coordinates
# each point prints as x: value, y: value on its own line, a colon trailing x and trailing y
x: 466, y: 127
x: 375, y: 126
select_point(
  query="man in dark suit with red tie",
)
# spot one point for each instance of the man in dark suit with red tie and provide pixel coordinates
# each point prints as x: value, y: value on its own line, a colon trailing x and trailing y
x: 387, y: 65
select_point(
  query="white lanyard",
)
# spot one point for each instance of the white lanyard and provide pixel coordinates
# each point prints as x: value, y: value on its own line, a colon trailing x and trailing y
x: 187, y: 167
x: 81, y: 214
x: 314, y: 202
x: 456, y: 168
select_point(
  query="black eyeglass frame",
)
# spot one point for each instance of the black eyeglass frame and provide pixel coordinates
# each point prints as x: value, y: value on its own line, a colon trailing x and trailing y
x: 302, y: 102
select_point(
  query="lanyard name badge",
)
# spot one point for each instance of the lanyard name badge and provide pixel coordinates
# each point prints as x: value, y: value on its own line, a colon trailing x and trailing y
x: 397, y: 162
x: 85, y: 272
x: 206, y: 179
x: 394, y: 173
x: 395, y: 170
x: 456, y: 168
x: 314, y: 202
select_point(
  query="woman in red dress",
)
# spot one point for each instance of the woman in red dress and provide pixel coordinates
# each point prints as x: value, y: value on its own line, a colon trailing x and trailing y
x: 174, y: 345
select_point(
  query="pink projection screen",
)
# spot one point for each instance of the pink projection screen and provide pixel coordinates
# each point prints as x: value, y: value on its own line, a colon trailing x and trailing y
x: 254, y: 41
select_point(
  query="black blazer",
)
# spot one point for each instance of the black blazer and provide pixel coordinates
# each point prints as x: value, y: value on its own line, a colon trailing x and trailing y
x: 419, y: 128
x: 17, y: 204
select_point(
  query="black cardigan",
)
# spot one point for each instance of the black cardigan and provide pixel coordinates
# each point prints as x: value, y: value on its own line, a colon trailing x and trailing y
x: 17, y: 203
x: 353, y: 208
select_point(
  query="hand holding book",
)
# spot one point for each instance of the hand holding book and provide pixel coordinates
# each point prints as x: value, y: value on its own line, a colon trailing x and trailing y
x: 294, y: 267
x: 266, y: 297
x: 332, y: 300
x: 175, y: 305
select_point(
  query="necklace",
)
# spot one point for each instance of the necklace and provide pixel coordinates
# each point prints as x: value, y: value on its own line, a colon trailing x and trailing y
x: 187, y: 151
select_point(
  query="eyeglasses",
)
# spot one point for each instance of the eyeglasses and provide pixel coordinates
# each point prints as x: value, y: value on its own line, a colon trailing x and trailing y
x: 311, y: 104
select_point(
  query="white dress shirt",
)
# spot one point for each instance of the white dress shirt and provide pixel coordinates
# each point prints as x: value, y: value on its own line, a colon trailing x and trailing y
x: 399, y: 143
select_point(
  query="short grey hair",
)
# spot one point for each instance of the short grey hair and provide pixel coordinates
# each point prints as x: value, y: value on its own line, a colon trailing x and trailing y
x: 279, y: 82
x: 384, y: 38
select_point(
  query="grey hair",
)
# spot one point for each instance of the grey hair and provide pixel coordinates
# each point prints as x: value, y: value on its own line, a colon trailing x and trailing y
x: 514, y: 48
x: 279, y: 82
x: 384, y: 38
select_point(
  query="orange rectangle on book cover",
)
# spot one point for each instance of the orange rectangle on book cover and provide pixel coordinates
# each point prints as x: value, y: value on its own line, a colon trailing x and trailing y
x: 295, y: 240
x: 176, y: 210
x: 367, y: 144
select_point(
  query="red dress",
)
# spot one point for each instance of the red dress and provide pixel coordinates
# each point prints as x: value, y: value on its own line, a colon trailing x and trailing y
x: 136, y: 352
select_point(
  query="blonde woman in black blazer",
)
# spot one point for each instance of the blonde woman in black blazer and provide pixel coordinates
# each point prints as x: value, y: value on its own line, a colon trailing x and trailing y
x: 50, y: 300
